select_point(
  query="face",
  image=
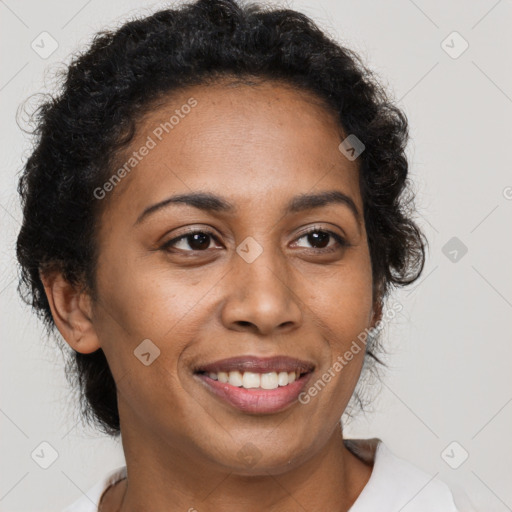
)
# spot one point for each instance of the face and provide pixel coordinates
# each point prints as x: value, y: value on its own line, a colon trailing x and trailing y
x: 256, y: 271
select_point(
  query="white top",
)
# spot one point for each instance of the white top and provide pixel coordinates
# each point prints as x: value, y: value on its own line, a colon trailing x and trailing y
x: 394, y: 484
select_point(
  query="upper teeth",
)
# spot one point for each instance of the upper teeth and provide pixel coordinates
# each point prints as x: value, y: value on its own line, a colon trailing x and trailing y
x: 249, y: 380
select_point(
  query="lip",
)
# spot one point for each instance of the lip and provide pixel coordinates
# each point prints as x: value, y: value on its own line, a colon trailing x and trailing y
x: 255, y: 400
x: 254, y: 364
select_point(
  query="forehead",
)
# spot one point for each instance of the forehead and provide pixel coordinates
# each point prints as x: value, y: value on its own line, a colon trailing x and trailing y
x: 241, y: 141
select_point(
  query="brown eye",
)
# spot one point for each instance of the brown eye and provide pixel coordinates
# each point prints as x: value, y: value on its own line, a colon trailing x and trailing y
x: 320, y: 238
x: 195, y: 240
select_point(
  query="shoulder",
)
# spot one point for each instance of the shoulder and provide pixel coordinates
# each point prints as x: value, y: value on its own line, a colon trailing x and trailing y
x: 397, y: 484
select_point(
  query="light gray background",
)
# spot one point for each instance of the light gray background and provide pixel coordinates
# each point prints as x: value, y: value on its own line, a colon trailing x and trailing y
x: 451, y: 347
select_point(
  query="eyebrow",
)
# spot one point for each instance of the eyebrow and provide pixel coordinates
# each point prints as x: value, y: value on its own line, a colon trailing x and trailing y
x: 209, y: 202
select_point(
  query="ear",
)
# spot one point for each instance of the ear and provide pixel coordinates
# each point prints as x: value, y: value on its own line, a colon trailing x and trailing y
x: 71, y: 310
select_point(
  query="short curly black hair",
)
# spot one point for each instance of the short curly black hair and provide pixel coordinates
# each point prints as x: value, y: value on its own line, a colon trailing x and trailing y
x: 110, y: 86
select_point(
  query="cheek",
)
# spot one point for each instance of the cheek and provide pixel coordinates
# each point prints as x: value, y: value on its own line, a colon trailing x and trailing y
x: 145, y: 309
x: 146, y: 300
x: 343, y: 307
x: 343, y: 301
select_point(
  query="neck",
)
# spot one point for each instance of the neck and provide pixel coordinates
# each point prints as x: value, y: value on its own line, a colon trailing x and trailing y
x: 163, y: 476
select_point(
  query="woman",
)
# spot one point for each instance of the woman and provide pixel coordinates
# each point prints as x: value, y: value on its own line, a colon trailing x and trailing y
x: 214, y: 215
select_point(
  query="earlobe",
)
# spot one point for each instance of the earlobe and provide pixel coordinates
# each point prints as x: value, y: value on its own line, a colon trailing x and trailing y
x: 71, y: 312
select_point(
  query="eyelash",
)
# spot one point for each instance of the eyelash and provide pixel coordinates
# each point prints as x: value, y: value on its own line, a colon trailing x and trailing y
x: 341, y: 241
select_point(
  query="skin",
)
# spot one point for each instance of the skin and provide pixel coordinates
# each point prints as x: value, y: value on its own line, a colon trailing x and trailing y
x: 257, y: 146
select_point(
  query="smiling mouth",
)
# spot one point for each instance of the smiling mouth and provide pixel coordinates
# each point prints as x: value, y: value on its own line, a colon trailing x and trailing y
x: 256, y: 393
x: 255, y: 380
x: 252, y: 372
x: 256, y: 385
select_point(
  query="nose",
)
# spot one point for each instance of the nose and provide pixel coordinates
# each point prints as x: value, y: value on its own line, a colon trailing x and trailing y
x: 260, y: 296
